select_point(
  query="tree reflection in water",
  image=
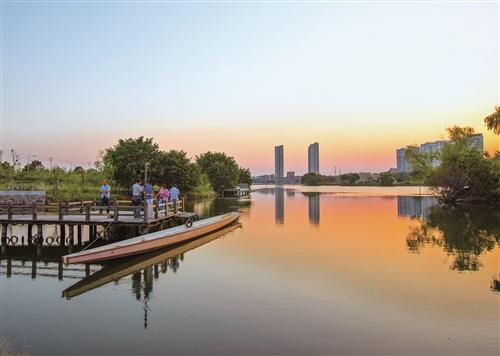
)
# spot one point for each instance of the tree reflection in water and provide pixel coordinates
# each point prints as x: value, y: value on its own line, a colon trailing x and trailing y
x: 495, y: 284
x: 464, y: 233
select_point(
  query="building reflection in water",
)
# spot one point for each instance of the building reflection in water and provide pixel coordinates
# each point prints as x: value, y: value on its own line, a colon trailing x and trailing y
x: 314, y: 208
x: 415, y: 207
x: 279, y: 204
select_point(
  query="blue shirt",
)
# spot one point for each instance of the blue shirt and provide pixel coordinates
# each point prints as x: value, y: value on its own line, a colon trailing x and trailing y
x: 174, y: 193
x: 105, y: 189
x: 148, y: 189
x: 137, y: 190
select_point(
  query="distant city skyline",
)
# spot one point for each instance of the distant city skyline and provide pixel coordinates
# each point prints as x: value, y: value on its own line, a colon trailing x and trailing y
x: 361, y: 78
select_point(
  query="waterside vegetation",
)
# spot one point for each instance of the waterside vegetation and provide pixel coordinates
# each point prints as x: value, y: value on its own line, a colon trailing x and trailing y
x: 121, y: 165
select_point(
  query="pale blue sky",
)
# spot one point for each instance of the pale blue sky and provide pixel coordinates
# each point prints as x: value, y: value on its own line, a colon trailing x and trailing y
x: 76, y: 74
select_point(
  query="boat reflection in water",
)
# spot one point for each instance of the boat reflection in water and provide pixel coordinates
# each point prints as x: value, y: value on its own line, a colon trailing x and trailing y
x: 156, y: 261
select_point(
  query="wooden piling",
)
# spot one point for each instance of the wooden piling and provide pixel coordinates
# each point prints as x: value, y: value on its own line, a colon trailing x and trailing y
x: 63, y: 235
x: 60, y: 270
x: 4, y: 234
x: 30, y: 234
x: 33, y: 268
x: 34, y: 212
x: 79, y: 234
x: 71, y: 234
x: 39, y: 233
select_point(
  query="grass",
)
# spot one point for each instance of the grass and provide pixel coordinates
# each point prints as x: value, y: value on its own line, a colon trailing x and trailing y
x: 80, y: 185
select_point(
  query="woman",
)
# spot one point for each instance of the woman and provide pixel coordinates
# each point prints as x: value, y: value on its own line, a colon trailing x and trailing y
x: 163, y: 194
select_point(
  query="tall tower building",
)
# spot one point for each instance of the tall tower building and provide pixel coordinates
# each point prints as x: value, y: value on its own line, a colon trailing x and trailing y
x: 313, y: 158
x: 279, y: 169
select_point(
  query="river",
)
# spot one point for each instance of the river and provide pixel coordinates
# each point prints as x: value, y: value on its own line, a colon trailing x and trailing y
x: 324, y: 270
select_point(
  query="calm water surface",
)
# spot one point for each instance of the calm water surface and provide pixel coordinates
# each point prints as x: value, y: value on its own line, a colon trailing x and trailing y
x: 345, y: 271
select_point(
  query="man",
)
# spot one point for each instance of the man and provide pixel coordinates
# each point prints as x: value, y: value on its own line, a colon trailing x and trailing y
x: 149, y: 196
x: 105, y: 191
x: 137, y: 190
x: 174, y: 196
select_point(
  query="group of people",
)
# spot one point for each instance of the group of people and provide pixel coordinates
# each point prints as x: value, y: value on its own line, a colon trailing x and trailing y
x: 143, y: 191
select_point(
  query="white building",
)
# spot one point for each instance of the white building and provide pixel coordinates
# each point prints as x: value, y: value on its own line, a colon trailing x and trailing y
x: 403, y: 166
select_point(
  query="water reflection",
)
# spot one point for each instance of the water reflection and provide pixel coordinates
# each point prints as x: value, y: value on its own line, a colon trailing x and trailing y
x: 313, y: 207
x: 415, y: 207
x: 279, y: 205
x: 464, y: 233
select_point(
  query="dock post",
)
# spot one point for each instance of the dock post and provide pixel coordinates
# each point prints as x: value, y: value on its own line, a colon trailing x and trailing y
x: 71, y: 234
x: 30, y: 234
x: 87, y: 212
x: 4, y: 234
x: 9, y: 267
x: 63, y: 235
x: 34, y: 212
x: 39, y: 232
x: 87, y: 270
x: 9, y: 211
x: 60, y: 270
x: 116, y: 212
x: 33, y: 268
x: 60, y: 211
x: 79, y: 234
x: 145, y: 211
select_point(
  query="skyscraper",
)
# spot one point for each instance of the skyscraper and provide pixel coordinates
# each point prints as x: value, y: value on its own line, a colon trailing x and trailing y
x: 279, y: 169
x: 313, y: 158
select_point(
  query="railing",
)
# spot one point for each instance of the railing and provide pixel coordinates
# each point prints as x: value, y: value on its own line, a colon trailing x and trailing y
x: 89, y: 208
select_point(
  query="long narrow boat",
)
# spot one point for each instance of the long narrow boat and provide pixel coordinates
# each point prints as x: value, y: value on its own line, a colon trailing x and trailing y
x: 117, y: 270
x: 152, y: 241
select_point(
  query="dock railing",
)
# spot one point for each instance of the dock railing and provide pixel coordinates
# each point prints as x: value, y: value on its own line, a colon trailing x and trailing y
x: 90, y: 208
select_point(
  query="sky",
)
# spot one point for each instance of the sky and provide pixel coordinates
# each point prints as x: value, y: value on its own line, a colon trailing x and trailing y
x: 362, y: 79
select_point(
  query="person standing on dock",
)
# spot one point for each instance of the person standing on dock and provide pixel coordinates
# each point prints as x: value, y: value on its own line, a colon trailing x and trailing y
x: 137, y: 190
x: 149, y: 196
x: 105, y: 191
x: 174, y: 196
x: 163, y: 194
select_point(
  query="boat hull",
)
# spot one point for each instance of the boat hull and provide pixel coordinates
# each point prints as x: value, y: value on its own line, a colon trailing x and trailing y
x: 152, y: 241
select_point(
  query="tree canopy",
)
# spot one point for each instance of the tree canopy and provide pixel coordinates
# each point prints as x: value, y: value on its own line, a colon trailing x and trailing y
x: 311, y: 179
x: 222, y: 170
x: 463, y: 175
x: 493, y: 121
x: 127, y: 158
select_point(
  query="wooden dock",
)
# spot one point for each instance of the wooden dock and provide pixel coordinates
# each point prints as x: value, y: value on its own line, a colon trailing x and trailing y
x: 71, y: 215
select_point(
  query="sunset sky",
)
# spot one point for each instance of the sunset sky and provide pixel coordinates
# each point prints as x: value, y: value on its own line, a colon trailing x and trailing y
x: 362, y: 79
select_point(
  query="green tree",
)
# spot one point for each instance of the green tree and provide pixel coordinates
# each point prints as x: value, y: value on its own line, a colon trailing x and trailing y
x: 464, y: 175
x: 311, y: 179
x: 176, y: 168
x: 493, y: 121
x: 244, y: 176
x: 127, y: 158
x: 34, y: 166
x: 222, y: 170
x: 349, y: 178
x: 386, y: 179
